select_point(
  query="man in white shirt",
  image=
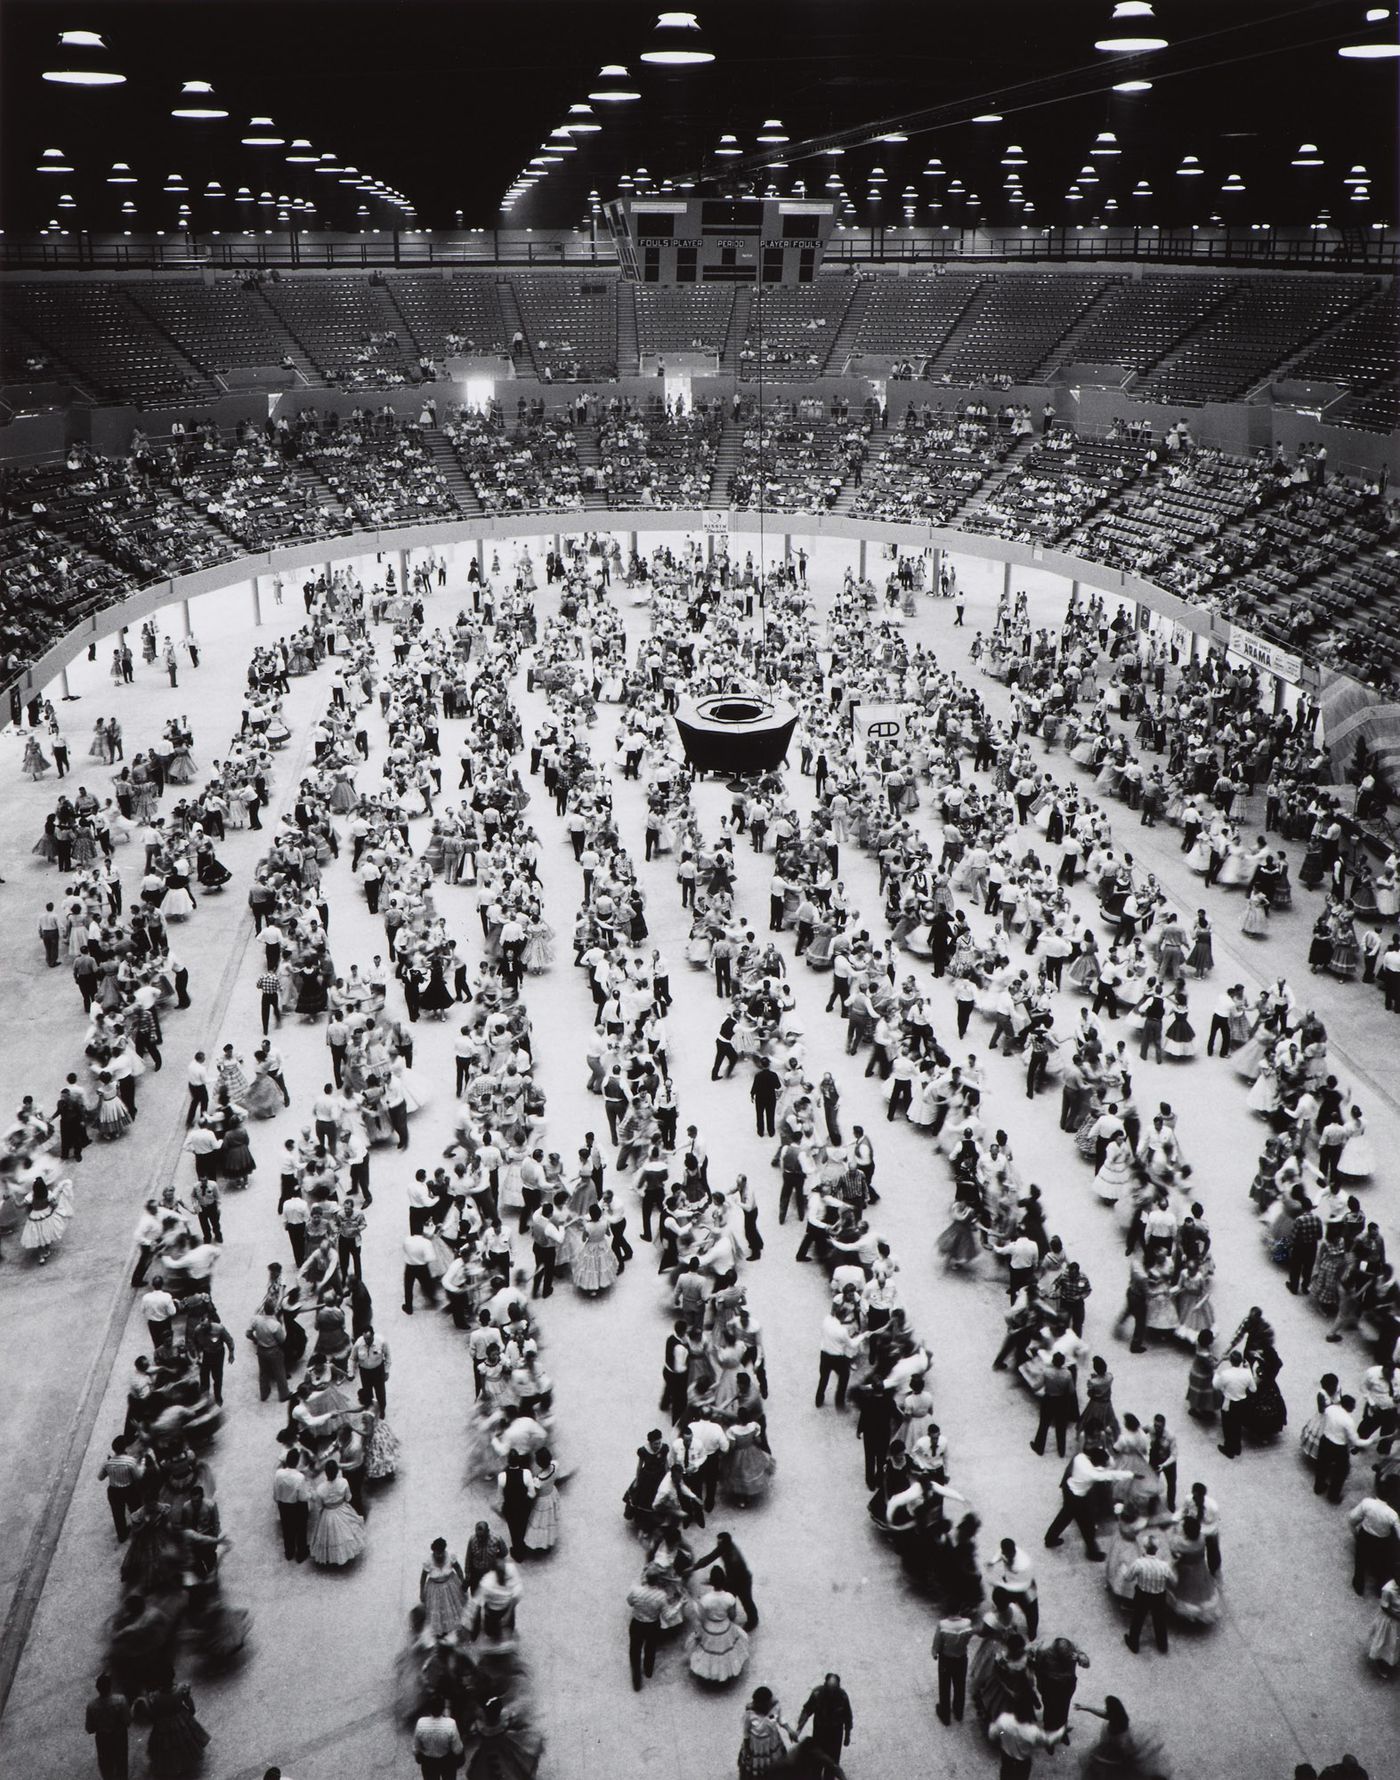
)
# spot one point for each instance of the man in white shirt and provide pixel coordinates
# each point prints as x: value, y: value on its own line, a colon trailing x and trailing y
x: 1235, y: 1383
x: 1340, y: 1438
x: 159, y: 1310
x: 1076, y: 1499
x: 839, y: 1347
x: 1376, y: 1527
x: 696, y: 1449
x: 417, y: 1254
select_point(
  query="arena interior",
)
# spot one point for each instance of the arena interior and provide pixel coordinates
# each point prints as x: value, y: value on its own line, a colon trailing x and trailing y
x: 997, y: 405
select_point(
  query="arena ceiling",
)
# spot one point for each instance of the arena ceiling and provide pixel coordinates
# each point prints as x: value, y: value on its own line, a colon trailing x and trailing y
x: 443, y: 107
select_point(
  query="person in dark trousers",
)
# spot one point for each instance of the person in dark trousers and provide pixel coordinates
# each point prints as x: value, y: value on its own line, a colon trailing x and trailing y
x: 1058, y: 1405
x: 736, y: 1574
x: 764, y: 1093
x: 1084, y: 1470
x: 108, y: 1720
x: 646, y: 1599
x: 1151, y: 1575
x: 829, y: 1708
x: 951, y: 1638
x: 122, y: 1474
x: 875, y: 1425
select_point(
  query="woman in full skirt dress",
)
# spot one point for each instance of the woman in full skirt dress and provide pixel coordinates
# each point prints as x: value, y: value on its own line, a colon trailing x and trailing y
x: 339, y: 1535
x: 748, y: 1466
x: 719, y: 1648
x: 542, y: 1528
x: 1202, y: 1398
x: 113, y: 1119
x: 1358, y: 1158
x: 1201, y: 958
x: 442, y: 1591
x: 264, y: 1099
x: 1195, y: 1595
x: 594, y: 1268
x: 175, y: 1747
x: 1383, y: 1646
x: 1115, y: 1174
x: 507, y: 1748
x: 46, y: 1219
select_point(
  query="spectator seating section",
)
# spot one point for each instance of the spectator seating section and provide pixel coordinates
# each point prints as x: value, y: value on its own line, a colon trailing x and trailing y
x: 908, y: 319
x: 347, y: 327
x: 793, y: 328
x: 220, y: 326
x: 448, y: 313
x: 1138, y: 323
x: 683, y: 318
x: 798, y: 461
x: 536, y: 470
x: 1249, y: 335
x: 1059, y: 485
x: 659, y: 460
x: 930, y: 466
x: 1014, y: 325
x: 570, y: 323
x: 112, y: 347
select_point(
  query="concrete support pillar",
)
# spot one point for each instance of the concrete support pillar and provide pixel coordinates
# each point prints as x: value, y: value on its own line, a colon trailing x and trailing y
x: 710, y: 547
x: 862, y: 559
x: 1074, y: 593
x: 935, y: 570
x: 63, y: 681
x: 257, y: 600
x: 558, y: 548
x: 1006, y: 579
x: 401, y: 556
x: 632, y: 544
x: 329, y: 569
x: 185, y: 617
x: 787, y: 548
x: 479, y: 551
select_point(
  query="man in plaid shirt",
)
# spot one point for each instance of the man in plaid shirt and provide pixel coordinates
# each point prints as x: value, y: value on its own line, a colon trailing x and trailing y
x: 1303, y: 1246
x: 270, y: 990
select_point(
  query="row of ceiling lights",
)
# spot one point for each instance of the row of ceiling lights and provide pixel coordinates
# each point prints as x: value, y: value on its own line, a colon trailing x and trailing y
x: 83, y: 66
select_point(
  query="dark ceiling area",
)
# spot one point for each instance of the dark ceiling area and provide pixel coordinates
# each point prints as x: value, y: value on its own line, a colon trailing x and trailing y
x: 446, y: 104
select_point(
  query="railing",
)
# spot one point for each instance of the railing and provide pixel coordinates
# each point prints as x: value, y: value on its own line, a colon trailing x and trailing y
x: 1359, y: 250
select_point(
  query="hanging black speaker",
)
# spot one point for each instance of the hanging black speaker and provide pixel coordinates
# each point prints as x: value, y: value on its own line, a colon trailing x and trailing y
x: 738, y: 733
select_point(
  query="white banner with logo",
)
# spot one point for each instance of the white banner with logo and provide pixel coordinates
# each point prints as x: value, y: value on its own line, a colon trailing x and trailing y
x: 717, y: 524
x: 1265, y: 654
x: 880, y: 723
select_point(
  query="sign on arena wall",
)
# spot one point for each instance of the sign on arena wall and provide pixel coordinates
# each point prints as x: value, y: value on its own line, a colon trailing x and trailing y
x: 880, y: 723
x: 1266, y: 654
x: 717, y: 524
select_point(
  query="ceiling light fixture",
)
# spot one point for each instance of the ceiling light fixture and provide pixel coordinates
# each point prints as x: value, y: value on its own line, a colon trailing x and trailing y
x: 1374, y: 47
x: 581, y: 121
x: 1128, y: 33
x: 1132, y: 86
x: 197, y: 102
x: 729, y: 145
x: 78, y: 63
x: 262, y: 133
x: 614, y: 86
x: 772, y: 130
x: 301, y: 153
x: 1105, y: 143
x: 53, y: 160
x: 121, y: 174
x: 678, y: 42
x: 1190, y: 167
x: 987, y: 117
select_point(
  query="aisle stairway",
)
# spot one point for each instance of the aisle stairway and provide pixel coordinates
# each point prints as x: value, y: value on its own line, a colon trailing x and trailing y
x: 846, y: 335
x: 738, y: 331
x: 1062, y: 354
x: 589, y: 456
x: 876, y: 443
x: 728, y: 455
x: 629, y: 360
x: 448, y: 465
x: 513, y: 324
x: 980, y: 495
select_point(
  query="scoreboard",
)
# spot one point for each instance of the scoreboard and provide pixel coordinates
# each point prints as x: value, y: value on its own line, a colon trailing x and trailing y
x: 720, y: 240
